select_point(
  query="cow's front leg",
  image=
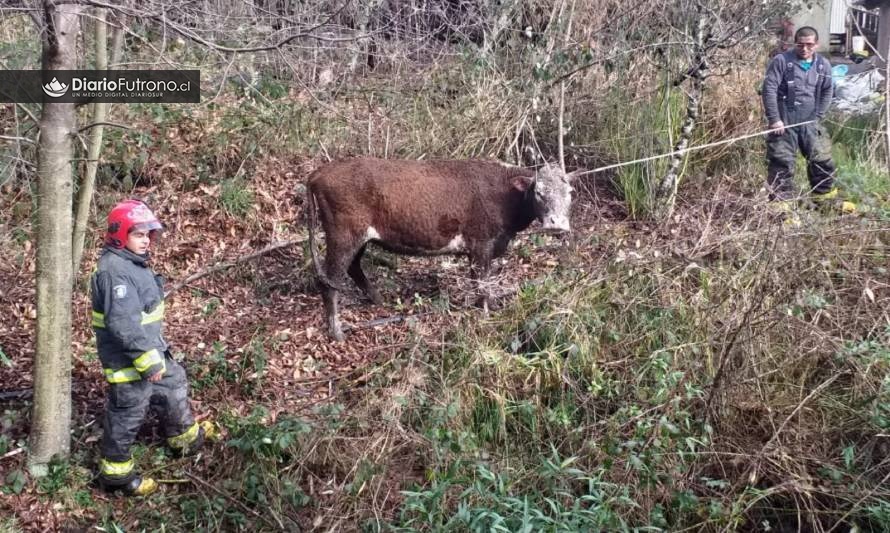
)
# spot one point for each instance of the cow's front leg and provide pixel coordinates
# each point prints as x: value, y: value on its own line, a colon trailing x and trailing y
x: 358, y: 276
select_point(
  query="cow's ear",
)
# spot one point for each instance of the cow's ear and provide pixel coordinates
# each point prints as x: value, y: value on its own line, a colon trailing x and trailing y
x: 522, y: 183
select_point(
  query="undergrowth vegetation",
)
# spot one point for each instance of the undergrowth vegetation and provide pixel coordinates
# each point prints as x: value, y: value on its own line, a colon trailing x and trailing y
x: 738, y: 392
x: 745, y: 387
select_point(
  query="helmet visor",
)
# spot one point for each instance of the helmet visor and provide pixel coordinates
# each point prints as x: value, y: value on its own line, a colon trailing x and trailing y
x: 147, y: 226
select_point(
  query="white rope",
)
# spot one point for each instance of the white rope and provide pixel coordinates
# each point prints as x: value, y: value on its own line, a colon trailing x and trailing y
x: 692, y: 148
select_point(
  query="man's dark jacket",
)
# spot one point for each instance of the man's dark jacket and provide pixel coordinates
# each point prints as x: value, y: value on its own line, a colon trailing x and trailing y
x: 128, y: 316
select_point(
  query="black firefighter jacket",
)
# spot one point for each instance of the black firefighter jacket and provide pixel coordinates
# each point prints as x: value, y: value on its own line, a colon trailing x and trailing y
x: 128, y: 316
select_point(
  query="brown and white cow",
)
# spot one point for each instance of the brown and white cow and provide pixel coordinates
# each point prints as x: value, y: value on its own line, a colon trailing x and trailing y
x: 471, y: 208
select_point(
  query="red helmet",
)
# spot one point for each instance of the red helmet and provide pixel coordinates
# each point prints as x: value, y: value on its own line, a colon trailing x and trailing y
x: 128, y: 216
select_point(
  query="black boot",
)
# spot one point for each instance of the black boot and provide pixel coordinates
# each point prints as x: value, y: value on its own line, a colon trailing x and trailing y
x: 133, y: 485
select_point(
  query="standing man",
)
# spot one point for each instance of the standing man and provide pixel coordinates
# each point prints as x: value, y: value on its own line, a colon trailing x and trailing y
x: 128, y: 318
x: 798, y: 88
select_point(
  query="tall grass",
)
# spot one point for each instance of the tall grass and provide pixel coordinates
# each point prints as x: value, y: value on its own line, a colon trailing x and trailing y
x: 859, y: 151
x: 640, y: 128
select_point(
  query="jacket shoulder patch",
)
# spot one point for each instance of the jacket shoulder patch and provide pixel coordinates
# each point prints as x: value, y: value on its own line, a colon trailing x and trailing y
x: 119, y: 291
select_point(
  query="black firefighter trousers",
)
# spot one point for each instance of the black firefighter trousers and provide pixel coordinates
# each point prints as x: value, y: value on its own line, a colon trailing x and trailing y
x: 781, y: 151
x: 125, y: 411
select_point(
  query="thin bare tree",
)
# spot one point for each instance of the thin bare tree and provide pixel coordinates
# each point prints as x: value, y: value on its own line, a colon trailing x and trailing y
x: 51, y: 418
x: 94, y: 146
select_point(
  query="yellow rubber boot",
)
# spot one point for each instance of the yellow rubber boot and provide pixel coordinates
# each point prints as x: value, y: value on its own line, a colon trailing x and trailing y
x: 211, y: 431
x: 787, y: 208
x: 135, y: 486
x: 145, y: 487
x: 821, y: 198
x: 830, y: 200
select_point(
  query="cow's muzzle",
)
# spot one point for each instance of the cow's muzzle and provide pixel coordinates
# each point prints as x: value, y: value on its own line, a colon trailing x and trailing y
x: 556, y: 225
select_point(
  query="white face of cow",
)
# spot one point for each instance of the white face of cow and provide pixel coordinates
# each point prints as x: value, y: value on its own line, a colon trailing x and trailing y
x: 553, y: 198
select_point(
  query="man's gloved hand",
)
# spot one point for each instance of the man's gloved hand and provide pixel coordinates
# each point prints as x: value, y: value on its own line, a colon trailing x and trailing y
x: 779, y: 126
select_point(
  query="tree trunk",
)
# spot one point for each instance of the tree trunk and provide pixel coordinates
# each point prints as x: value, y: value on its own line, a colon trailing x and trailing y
x: 117, y: 38
x: 51, y: 417
x: 562, y: 97
x: 100, y: 110
x: 666, y: 193
x: 85, y: 192
x: 887, y: 96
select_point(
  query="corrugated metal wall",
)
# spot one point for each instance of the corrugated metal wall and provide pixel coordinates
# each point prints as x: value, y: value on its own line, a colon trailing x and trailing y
x: 838, y: 16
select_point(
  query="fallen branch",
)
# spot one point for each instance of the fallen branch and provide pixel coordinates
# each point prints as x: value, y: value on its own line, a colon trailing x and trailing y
x: 23, y: 394
x: 228, y: 264
x: 7, y: 455
x: 16, y: 139
x: 381, y: 321
x: 27, y: 394
x: 234, y: 500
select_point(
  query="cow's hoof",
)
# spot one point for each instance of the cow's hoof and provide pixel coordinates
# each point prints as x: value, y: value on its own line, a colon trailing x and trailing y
x: 483, y: 304
x: 335, y: 331
x: 375, y: 298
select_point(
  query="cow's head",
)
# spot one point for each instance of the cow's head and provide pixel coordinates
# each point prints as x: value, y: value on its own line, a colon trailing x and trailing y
x: 552, y: 190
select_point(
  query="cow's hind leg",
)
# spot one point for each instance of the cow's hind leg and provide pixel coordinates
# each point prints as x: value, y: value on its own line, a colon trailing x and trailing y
x: 480, y: 268
x: 358, y: 276
x: 330, y: 296
x: 341, y: 250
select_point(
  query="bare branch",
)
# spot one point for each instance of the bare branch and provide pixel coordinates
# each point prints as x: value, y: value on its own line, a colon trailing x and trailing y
x: 228, y: 264
x: 601, y: 60
x: 16, y: 139
x: 94, y: 124
x: 186, y: 32
x: 29, y: 113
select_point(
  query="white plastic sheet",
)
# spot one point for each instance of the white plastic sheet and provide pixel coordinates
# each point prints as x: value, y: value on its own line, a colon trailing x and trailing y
x: 859, y: 94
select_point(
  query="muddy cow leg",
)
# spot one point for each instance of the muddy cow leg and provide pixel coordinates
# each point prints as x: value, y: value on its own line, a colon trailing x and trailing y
x: 480, y: 269
x: 341, y: 249
x: 358, y: 276
x: 330, y: 296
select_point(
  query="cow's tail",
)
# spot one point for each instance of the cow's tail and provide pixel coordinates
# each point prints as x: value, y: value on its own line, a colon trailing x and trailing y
x: 312, y: 223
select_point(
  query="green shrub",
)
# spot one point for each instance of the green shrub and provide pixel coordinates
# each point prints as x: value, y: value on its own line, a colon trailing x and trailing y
x: 236, y: 197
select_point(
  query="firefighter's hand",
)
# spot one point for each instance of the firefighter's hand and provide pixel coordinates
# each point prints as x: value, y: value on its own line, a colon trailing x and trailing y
x: 156, y: 377
x: 779, y: 126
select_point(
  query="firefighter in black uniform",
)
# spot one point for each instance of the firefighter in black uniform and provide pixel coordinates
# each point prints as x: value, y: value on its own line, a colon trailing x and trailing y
x: 127, y: 317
